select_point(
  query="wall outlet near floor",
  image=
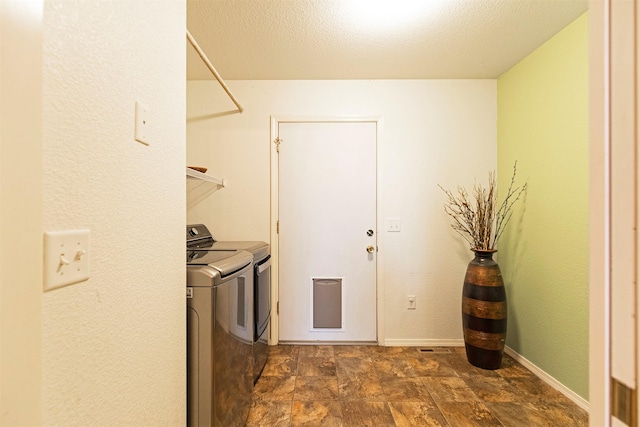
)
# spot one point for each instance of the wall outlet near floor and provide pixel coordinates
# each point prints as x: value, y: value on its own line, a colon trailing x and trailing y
x: 411, y: 302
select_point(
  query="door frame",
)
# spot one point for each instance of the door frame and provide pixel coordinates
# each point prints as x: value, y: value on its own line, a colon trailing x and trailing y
x: 275, y: 270
x: 614, y: 38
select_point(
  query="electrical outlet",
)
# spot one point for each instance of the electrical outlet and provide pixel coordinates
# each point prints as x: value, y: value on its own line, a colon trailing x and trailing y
x: 411, y: 302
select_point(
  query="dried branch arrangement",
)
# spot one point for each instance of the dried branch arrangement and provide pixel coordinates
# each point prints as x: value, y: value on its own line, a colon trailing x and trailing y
x: 477, y: 217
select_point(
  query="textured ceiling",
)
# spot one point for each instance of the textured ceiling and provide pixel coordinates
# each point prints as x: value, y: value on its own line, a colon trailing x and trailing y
x: 324, y: 39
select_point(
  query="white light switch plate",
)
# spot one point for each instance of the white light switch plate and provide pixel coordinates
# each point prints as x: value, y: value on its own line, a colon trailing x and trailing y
x: 142, y: 124
x: 393, y: 225
x: 66, y: 258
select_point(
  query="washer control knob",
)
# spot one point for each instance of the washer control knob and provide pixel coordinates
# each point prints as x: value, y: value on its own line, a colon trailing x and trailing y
x: 193, y: 232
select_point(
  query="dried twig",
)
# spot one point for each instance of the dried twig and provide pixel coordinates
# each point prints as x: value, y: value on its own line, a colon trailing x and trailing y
x: 477, y: 219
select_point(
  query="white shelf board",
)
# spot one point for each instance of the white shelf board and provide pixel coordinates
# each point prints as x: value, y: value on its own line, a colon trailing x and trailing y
x: 194, y: 174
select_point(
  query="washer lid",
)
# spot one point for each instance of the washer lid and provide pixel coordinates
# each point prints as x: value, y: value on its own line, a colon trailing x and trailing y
x: 226, y: 262
x: 259, y: 249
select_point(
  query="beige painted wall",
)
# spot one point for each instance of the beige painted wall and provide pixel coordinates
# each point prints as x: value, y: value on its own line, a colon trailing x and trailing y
x: 434, y: 132
x: 20, y: 212
x: 113, y: 348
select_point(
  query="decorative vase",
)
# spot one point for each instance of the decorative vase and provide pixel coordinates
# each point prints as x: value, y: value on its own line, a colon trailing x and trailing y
x: 484, y: 311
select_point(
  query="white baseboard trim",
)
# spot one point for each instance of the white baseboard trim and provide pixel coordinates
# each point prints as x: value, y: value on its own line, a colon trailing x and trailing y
x: 423, y: 343
x: 575, y: 398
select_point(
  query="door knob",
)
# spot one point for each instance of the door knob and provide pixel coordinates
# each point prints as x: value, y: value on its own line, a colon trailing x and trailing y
x: 370, y: 249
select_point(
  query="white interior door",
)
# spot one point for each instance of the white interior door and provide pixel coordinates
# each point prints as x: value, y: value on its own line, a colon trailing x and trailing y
x: 327, y: 231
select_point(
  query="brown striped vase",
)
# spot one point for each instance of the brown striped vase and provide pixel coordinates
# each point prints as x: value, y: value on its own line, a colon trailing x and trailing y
x: 484, y: 311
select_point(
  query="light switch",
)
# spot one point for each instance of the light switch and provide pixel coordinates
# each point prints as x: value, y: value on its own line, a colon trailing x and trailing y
x: 393, y: 225
x: 142, y: 124
x: 411, y: 302
x: 66, y: 258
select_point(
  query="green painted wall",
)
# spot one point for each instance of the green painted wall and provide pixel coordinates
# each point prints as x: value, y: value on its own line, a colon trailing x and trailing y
x: 543, y: 124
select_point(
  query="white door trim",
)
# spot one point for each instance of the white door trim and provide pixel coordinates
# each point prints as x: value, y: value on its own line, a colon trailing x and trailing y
x: 599, y: 282
x: 275, y: 121
x: 614, y: 53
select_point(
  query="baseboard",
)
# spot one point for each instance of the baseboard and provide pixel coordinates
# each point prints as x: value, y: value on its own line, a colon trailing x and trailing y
x: 316, y: 342
x: 575, y: 398
x: 423, y: 343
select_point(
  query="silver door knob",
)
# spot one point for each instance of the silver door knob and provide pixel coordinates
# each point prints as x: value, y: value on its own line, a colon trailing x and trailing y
x: 370, y: 249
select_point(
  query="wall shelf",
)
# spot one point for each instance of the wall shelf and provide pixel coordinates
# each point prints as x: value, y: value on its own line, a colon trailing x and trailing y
x: 195, y: 175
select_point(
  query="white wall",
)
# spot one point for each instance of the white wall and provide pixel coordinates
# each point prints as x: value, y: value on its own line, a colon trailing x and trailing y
x: 435, y: 132
x: 114, y: 346
x: 20, y: 211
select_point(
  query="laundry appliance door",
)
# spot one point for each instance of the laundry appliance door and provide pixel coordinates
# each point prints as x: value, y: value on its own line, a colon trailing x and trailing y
x: 262, y: 313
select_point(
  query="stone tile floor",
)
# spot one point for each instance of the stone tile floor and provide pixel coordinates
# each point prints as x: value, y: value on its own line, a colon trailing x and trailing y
x: 401, y: 386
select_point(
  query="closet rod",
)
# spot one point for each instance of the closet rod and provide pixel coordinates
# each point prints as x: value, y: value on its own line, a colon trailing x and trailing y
x: 211, y: 68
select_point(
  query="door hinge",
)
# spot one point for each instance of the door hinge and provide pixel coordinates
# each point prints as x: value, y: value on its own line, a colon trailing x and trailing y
x: 278, y: 307
x: 278, y: 227
x: 277, y: 141
x: 623, y: 403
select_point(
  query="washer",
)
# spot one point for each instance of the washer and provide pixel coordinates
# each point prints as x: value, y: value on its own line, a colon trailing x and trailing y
x: 219, y: 337
x: 201, y: 238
